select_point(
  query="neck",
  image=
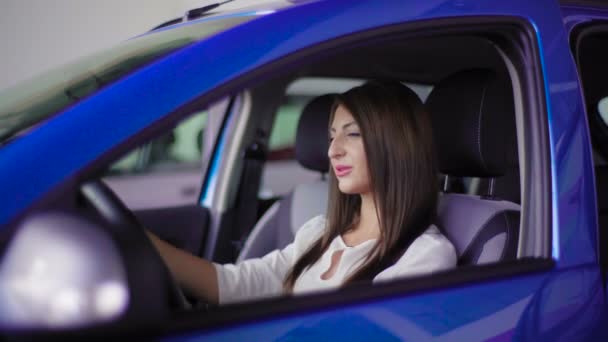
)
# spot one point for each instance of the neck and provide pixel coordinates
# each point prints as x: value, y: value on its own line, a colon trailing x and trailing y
x: 367, y: 227
x: 368, y: 218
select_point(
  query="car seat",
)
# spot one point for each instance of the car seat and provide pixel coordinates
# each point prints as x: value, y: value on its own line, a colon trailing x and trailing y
x: 277, y: 227
x: 475, y: 135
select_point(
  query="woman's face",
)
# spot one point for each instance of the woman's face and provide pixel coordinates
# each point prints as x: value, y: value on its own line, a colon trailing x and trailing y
x: 347, y: 154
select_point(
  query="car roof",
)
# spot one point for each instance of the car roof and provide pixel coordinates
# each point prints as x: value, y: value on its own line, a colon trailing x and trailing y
x: 258, y: 8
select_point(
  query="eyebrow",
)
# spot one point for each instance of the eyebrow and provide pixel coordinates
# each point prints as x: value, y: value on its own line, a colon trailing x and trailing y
x: 344, y: 126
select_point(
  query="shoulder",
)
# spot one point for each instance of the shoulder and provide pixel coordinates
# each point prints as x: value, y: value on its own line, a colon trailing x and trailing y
x: 432, y: 241
x: 430, y: 252
x: 310, y: 231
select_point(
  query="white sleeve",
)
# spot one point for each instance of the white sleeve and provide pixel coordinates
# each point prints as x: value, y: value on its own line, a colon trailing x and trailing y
x: 263, y: 277
x: 430, y: 252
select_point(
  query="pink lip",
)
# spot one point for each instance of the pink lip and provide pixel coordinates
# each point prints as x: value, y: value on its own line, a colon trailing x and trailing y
x: 342, y: 170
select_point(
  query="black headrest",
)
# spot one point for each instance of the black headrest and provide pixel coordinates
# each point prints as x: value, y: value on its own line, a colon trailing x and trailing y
x: 312, y: 139
x: 474, y: 124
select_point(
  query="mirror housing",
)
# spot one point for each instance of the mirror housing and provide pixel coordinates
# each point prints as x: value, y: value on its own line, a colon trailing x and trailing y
x: 61, y: 271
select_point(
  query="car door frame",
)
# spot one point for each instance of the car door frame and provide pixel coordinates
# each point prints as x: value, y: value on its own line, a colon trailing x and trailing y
x: 580, y: 23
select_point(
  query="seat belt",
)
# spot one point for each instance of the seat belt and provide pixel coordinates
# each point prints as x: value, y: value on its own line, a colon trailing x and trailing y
x: 247, y: 200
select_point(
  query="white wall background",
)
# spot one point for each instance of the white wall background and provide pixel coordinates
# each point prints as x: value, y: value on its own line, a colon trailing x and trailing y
x: 38, y: 35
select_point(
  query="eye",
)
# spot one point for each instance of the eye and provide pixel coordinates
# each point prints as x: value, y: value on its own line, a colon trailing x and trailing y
x: 354, y: 134
x: 331, y: 139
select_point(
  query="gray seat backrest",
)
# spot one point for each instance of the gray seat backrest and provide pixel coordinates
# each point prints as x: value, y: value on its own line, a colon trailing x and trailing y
x: 482, y: 231
x: 474, y: 128
x: 278, y: 226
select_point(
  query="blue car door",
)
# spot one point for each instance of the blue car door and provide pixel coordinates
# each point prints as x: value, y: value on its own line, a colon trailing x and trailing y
x: 553, y: 291
x: 588, y: 33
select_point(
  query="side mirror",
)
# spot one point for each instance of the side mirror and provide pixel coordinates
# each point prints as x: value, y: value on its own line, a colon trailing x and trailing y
x: 61, y: 271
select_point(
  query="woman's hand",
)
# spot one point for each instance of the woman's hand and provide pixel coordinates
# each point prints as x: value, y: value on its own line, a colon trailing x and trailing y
x: 196, y: 275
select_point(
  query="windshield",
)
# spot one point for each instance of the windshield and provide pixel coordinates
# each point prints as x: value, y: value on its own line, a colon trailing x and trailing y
x: 30, y: 102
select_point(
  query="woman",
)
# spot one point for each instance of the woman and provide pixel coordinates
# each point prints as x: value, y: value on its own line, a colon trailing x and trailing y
x: 382, y: 203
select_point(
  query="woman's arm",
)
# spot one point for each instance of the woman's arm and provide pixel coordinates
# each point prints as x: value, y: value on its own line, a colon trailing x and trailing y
x: 198, y: 276
x: 250, y: 279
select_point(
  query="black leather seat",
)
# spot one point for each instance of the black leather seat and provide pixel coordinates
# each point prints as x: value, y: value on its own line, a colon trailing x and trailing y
x: 474, y: 126
x: 277, y: 227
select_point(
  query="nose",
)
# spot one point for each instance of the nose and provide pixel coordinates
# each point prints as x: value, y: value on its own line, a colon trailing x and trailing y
x: 336, y: 149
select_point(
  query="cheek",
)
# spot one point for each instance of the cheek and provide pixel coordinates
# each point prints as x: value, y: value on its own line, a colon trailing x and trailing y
x: 364, y: 178
x: 363, y: 175
x: 362, y: 161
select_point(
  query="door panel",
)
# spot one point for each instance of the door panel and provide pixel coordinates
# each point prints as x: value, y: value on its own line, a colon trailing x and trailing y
x: 527, y: 307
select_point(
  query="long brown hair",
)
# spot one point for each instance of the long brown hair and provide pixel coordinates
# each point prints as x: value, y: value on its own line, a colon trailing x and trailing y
x: 397, y: 138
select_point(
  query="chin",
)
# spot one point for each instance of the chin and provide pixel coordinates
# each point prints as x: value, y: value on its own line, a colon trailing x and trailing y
x: 350, y: 189
x: 345, y: 188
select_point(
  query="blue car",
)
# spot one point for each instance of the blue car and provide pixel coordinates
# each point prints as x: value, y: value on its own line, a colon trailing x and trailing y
x: 519, y: 103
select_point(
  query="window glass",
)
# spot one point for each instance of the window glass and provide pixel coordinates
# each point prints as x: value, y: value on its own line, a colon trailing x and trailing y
x: 188, y: 143
x: 179, y: 149
x: 63, y: 86
x: 168, y: 171
x: 286, y: 123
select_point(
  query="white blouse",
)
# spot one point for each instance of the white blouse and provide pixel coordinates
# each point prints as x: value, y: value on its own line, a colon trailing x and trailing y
x: 263, y: 277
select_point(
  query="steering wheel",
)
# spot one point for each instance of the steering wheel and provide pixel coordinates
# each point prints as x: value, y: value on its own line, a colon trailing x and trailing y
x: 151, y: 285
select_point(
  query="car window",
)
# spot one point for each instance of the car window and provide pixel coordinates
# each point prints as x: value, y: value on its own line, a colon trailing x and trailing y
x: 168, y: 170
x: 283, y: 134
x: 61, y: 87
x: 179, y: 149
x: 453, y: 98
